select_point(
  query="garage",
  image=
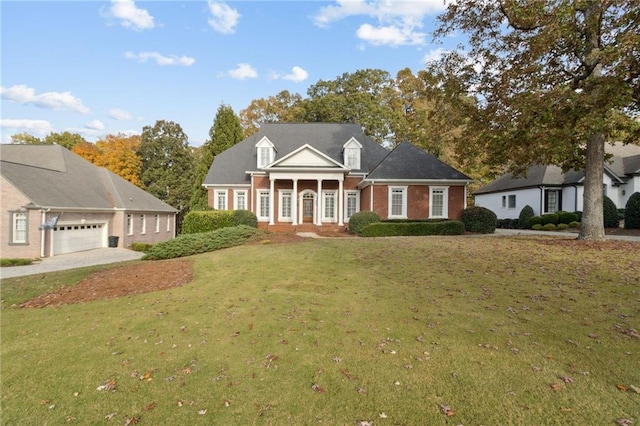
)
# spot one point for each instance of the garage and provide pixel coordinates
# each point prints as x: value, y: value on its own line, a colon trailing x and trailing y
x: 69, y: 238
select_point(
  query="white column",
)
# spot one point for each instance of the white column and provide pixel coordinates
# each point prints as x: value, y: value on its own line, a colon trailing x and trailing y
x: 319, y: 204
x: 294, y: 203
x: 340, y: 203
x: 272, y: 196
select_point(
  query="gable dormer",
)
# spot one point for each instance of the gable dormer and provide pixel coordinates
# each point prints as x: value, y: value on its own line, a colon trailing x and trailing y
x: 352, y: 154
x: 265, y: 152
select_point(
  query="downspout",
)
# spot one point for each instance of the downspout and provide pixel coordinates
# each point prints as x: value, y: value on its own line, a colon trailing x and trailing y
x: 42, y: 232
x: 371, y: 196
x: 541, y: 200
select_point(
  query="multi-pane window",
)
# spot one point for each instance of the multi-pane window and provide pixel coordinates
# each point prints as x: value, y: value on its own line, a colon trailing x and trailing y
x: 19, y: 228
x: 398, y: 202
x: 511, y: 201
x: 353, y: 158
x: 263, y: 205
x: 240, y: 200
x: 168, y: 222
x: 352, y: 199
x: 329, y: 206
x: 221, y: 200
x: 156, y: 223
x: 285, y: 205
x: 265, y: 152
x: 129, y: 225
x: 552, y: 201
x: 143, y: 224
x: 438, y: 202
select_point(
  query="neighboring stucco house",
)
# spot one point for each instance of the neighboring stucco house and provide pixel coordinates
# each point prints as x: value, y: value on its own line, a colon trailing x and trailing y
x: 54, y: 202
x: 547, y: 189
x: 320, y: 174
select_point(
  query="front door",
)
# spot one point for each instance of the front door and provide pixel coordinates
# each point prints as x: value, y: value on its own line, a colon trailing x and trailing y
x: 307, y: 210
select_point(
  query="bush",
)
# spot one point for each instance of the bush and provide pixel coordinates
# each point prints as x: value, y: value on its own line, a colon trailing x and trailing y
x: 479, y: 219
x: 15, y: 262
x: 536, y: 220
x: 361, y: 219
x: 203, y: 242
x: 632, y: 212
x: 245, y: 217
x: 549, y: 227
x: 526, y: 214
x: 391, y: 229
x: 574, y: 225
x: 207, y: 221
x: 562, y: 226
x: 537, y: 227
x: 567, y: 217
x: 610, y: 213
x: 142, y: 247
x: 550, y: 218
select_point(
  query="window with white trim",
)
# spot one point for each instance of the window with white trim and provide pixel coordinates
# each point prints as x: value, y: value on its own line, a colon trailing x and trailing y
x: 329, y: 206
x: 143, y: 224
x: 265, y: 152
x: 263, y: 205
x: 438, y: 202
x: 221, y: 200
x: 19, y: 228
x: 285, y: 206
x: 156, y: 222
x: 168, y: 223
x: 351, y: 204
x: 397, y: 202
x: 351, y: 153
x: 129, y: 224
x: 511, y: 201
x: 240, y: 200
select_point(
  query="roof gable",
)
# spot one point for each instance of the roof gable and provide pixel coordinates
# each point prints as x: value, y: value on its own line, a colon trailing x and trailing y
x: 305, y: 157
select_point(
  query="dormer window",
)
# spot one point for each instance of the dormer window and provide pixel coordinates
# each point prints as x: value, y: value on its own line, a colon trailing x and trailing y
x: 352, y: 150
x: 265, y: 153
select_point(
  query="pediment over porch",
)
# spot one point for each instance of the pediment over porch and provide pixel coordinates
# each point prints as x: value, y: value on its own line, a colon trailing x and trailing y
x: 306, y: 157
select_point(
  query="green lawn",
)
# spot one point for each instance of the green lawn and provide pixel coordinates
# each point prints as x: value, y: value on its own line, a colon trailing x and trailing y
x: 499, y: 330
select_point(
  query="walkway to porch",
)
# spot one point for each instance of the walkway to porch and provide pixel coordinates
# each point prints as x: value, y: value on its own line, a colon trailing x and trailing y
x: 327, y: 230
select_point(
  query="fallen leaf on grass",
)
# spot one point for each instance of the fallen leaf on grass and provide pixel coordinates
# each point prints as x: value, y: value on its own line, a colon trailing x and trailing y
x: 624, y: 422
x: 364, y: 423
x: 202, y: 412
x: 150, y: 406
x: 348, y: 375
x: 566, y: 379
x: 318, y: 389
x: 110, y: 416
x: 132, y: 421
x: 108, y: 386
x: 446, y: 410
x: 636, y: 389
x: 555, y: 386
x: 621, y: 387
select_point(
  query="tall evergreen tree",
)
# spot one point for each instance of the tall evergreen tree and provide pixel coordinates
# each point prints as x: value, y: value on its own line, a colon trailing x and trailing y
x: 225, y: 132
x: 167, y: 164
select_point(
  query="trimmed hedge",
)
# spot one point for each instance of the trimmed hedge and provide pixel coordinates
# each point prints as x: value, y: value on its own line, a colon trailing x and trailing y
x: 526, y: 214
x: 479, y: 219
x: 632, y: 212
x: 610, y: 213
x: 245, y: 217
x: 567, y: 217
x: 141, y: 247
x: 395, y: 229
x: 203, y: 242
x: 206, y: 221
x: 536, y: 220
x: 550, y: 218
x: 549, y: 227
x: 361, y: 219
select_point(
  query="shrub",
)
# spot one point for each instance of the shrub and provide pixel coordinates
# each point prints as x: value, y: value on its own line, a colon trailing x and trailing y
x: 562, y: 226
x: 579, y: 213
x: 207, y: 221
x: 524, y: 220
x: 537, y: 227
x: 142, y: 247
x: 361, y: 219
x: 549, y: 227
x: 567, y: 217
x: 245, y: 217
x: 574, y: 224
x: 15, y: 262
x: 632, y: 212
x: 550, y: 218
x: 610, y: 213
x: 390, y: 229
x: 536, y: 220
x: 479, y: 219
x: 203, y: 242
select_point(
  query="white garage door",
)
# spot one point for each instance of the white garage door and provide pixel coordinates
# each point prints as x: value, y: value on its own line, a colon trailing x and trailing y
x: 78, y: 237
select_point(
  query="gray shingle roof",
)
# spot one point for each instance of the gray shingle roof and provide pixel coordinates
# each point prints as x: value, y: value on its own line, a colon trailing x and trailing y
x: 230, y: 167
x: 408, y: 162
x: 52, y: 176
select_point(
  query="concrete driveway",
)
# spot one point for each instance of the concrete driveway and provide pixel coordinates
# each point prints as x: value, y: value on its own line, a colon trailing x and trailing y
x: 71, y: 261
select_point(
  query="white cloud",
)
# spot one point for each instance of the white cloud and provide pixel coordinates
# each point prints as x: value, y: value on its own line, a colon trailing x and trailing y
x: 41, y: 127
x: 297, y: 75
x: 161, y: 59
x: 94, y: 125
x: 50, y: 100
x: 130, y: 15
x: 223, y: 18
x: 397, y: 22
x: 243, y: 71
x: 434, y: 55
x: 120, y: 114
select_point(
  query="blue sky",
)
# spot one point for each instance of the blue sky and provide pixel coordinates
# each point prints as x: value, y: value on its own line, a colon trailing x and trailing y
x: 108, y: 67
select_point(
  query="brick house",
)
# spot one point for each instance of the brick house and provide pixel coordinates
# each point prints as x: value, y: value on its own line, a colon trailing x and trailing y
x: 310, y: 175
x: 55, y: 202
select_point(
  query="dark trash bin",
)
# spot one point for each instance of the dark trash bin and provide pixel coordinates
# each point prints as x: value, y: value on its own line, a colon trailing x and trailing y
x: 113, y: 241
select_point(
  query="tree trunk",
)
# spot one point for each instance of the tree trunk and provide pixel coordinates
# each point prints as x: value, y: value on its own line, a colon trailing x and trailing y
x: 592, y: 226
